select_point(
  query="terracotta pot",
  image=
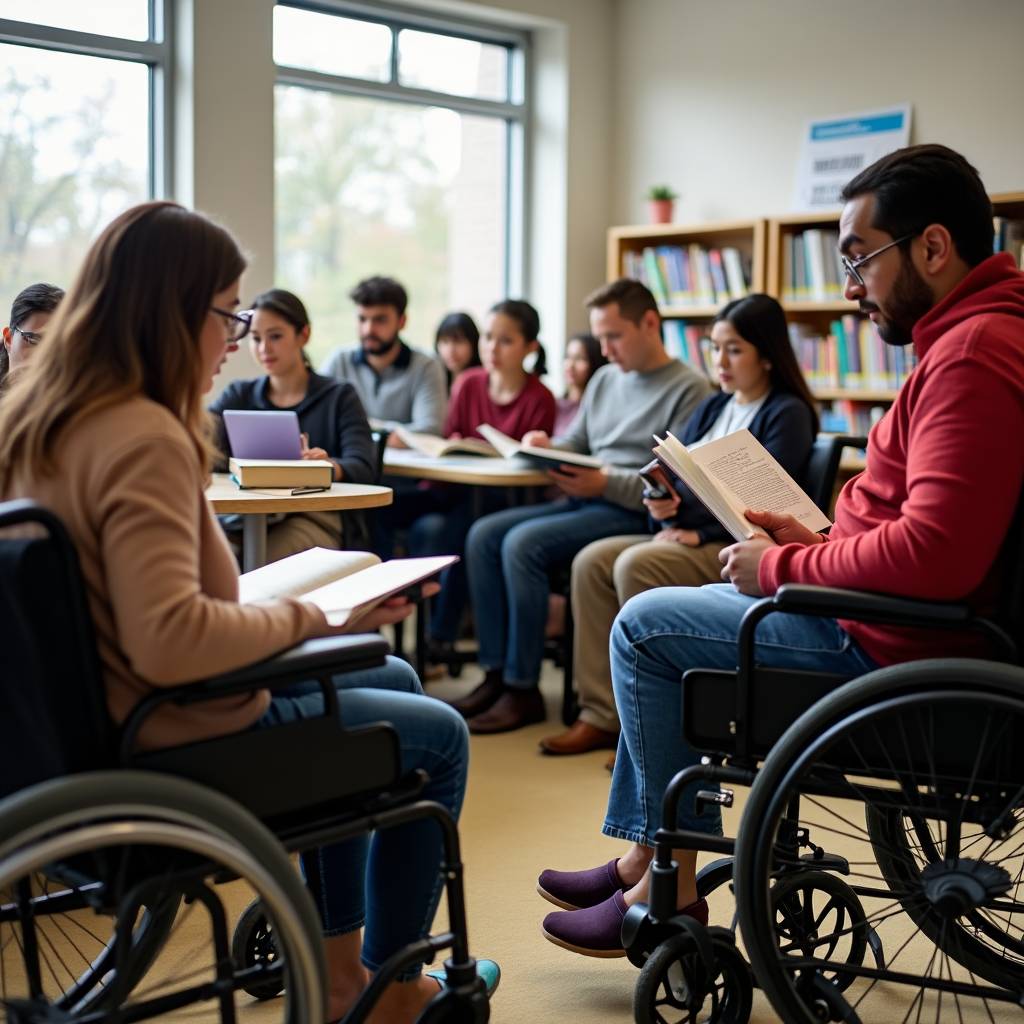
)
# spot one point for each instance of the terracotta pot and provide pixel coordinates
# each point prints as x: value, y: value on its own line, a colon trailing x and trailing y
x: 660, y: 210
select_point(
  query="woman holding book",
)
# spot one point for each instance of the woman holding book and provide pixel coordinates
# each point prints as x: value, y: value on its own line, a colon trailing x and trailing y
x: 331, y: 417
x: 456, y: 344
x: 116, y: 391
x: 504, y: 394
x: 762, y: 390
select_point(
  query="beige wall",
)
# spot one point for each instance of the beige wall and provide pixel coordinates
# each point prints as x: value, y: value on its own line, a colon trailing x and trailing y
x: 712, y: 96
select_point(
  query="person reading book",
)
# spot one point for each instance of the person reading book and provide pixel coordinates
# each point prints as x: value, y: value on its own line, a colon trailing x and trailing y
x: 116, y: 391
x: 30, y: 313
x: 510, y: 553
x: 763, y: 390
x: 455, y: 343
x: 331, y: 418
x: 583, y: 358
x: 926, y: 518
x: 501, y: 393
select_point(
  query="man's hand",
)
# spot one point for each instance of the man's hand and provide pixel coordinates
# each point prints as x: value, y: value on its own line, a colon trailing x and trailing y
x: 536, y: 439
x: 579, y: 481
x: 676, y: 535
x: 387, y: 613
x: 394, y: 441
x: 741, y: 563
x: 784, y: 529
x: 663, y: 508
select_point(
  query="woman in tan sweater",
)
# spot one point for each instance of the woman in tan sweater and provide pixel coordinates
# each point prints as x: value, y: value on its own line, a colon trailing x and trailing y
x: 106, y: 428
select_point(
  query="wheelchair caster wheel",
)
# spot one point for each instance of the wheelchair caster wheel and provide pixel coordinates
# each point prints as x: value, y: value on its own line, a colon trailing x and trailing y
x: 682, y: 983
x: 253, y: 945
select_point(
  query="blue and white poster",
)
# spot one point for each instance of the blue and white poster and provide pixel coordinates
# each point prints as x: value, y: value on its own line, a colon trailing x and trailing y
x: 839, y: 147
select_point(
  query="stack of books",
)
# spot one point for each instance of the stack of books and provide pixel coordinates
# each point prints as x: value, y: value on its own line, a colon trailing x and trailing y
x: 690, y: 276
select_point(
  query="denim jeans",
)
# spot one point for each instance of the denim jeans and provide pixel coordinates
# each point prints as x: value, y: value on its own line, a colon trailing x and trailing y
x: 508, y: 556
x: 658, y: 636
x: 391, y: 882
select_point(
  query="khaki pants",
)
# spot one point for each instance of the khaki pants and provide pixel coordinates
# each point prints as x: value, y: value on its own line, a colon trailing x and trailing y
x: 296, y: 532
x: 605, y: 575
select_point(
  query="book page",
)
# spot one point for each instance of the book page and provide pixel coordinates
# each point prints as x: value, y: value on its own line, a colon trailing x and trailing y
x: 343, y: 599
x: 720, y: 502
x: 741, y: 464
x: 503, y: 444
x: 299, y: 573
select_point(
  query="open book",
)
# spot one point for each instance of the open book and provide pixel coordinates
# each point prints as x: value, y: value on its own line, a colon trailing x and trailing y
x: 542, y: 458
x: 736, y: 473
x: 435, y: 447
x: 343, y: 584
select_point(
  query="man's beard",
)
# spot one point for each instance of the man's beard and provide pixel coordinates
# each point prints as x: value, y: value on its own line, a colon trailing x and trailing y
x: 379, y: 346
x: 908, y: 301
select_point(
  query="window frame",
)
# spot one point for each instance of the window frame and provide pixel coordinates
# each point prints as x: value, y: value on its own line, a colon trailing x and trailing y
x: 515, y: 111
x: 156, y: 53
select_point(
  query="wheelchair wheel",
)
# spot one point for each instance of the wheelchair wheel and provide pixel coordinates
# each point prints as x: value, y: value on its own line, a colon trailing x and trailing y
x: 931, y: 743
x: 818, y: 915
x: 84, y: 860
x: 680, y: 983
x: 253, y: 945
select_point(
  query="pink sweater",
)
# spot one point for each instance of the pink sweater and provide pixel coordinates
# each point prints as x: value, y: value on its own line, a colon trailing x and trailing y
x: 945, y: 467
x: 162, y: 584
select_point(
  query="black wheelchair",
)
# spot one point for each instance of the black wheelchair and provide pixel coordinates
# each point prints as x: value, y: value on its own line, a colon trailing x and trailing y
x: 879, y: 861
x: 120, y: 870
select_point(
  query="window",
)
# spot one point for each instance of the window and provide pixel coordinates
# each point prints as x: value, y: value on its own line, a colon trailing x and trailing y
x: 399, y: 151
x: 81, y: 129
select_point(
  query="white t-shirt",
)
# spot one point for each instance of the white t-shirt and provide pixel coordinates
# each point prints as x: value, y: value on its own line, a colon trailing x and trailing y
x: 732, y: 417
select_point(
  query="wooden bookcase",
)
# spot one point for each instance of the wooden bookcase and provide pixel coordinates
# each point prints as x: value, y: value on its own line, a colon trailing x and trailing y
x: 746, y: 235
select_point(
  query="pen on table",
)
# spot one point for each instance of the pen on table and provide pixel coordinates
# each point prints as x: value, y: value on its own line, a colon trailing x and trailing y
x: 309, y: 490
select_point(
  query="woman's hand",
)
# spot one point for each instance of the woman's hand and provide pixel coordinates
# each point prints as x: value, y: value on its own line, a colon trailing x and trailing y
x: 536, y: 439
x: 387, y: 613
x: 675, y: 535
x: 663, y: 508
x: 319, y: 454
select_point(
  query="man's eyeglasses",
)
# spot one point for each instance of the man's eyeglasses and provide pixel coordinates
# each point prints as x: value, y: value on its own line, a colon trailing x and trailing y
x: 238, y: 323
x: 852, y: 267
x: 31, y: 337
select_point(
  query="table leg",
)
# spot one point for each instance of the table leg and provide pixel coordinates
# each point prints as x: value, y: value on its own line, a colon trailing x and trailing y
x: 254, y: 541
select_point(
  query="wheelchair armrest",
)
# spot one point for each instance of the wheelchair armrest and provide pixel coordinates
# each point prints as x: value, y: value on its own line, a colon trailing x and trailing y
x: 837, y: 603
x: 312, y: 660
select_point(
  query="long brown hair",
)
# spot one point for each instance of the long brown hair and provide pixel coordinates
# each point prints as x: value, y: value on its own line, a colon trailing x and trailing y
x: 129, y: 326
x: 760, y: 320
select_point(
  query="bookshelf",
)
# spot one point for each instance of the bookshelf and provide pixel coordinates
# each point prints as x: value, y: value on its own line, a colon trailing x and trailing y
x: 746, y: 236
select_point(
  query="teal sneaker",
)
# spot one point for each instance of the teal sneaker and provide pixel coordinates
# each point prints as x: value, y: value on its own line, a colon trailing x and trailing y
x: 486, y: 969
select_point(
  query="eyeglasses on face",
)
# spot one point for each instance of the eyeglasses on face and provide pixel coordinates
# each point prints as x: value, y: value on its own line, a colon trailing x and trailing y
x: 31, y: 337
x: 852, y: 267
x: 238, y: 323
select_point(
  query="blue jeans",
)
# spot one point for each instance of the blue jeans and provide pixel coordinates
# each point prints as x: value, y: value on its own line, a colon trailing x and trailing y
x: 391, y: 882
x: 659, y: 635
x: 508, y: 557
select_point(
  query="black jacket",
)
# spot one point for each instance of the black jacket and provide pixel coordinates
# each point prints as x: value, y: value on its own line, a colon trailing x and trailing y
x: 784, y: 425
x: 331, y: 414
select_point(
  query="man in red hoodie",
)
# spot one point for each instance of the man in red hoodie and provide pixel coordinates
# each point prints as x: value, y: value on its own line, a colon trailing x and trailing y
x: 926, y: 518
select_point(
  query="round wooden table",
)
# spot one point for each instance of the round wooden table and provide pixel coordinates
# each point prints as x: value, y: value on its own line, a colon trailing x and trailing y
x: 255, y: 504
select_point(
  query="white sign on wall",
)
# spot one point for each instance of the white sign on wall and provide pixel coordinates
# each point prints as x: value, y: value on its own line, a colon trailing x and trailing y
x: 837, y: 148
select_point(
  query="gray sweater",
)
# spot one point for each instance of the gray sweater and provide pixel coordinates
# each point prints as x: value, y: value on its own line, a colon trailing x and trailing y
x: 411, y: 391
x: 619, y: 414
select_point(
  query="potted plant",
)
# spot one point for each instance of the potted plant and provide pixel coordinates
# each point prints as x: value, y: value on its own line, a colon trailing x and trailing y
x: 659, y: 204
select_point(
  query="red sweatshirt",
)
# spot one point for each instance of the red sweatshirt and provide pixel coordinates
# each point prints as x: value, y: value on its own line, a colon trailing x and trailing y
x: 944, y: 471
x: 471, y: 404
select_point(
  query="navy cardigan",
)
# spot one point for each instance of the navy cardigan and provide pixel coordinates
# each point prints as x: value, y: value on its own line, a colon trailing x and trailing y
x: 331, y: 414
x: 784, y: 425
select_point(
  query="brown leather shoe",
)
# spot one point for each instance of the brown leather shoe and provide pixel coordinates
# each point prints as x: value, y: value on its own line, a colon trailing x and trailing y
x: 579, y: 738
x: 512, y: 710
x: 481, y: 697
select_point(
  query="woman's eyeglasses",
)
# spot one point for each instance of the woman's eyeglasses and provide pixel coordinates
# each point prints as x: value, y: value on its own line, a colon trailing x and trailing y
x: 238, y: 323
